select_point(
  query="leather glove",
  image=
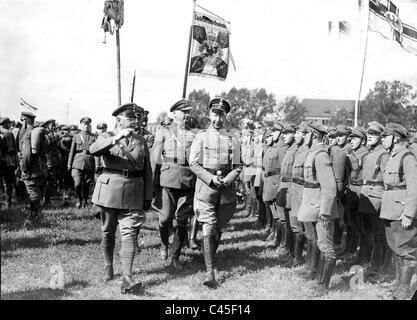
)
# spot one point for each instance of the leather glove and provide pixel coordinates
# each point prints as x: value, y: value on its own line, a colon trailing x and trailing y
x: 147, y: 205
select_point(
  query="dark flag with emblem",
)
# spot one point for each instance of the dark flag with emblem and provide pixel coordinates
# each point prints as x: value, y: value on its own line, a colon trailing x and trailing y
x: 210, y: 51
x: 384, y: 18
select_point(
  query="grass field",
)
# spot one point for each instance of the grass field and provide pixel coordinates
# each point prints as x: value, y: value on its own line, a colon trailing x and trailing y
x: 71, y: 238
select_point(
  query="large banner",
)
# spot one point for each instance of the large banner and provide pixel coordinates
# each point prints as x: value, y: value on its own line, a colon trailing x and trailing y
x: 210, y: 47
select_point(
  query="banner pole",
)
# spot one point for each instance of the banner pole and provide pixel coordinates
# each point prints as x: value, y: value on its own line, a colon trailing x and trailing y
x: 357, y: 102
x: 187, y: 65
x: 119, y: 85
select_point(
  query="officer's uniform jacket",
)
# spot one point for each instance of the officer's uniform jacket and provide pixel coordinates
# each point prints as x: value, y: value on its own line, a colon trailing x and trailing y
x: 79, y: 156
x: 338, y: 160
x: 400, y: 182
x: 284, y: 195
x: 9, y: 155
x: 372, y: 189
x: 297, y: 174
x: 33, y: 147
x: 215, y: 152
x: 174, y: 143
x: 122, y: 185
x: 319, y: 193
x: 355, y: 162
x: 271, y: 168
x: 20, y: 134
x: 149, y: 137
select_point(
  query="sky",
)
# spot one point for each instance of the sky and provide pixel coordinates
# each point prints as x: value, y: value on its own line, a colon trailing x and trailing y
x: 52, y: 55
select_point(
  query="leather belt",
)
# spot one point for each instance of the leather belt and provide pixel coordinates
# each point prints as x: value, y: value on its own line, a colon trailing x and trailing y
x: 272, y: 173
x: 299, y: 181
x: 373, y: 183
x: 285, y: 179
x: 390, y: 187
x: 175, y: 161
x: 356, y: 183
x: 85, y: 151
x: 312, y: 185
x: 216, y: 172
x: 125, y: 173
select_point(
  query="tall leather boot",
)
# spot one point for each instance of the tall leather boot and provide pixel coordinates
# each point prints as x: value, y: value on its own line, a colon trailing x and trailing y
x: 407, y: 270
x: 180, y: 237
x: 320, y: 267
x: 305, y: 268
x: 108, y: 243
x: 397, y: 281
x: 299, y: 240
x: 79, y: 203
x: 326, y: 273
x: 376, y: 261
x: 365, y: 250
x: 278, y: 233
x: 313, y: 261
x: 272, y: 234
x: 285, y: 252
x: 164, y: 235
x: 255, y: 211
x: 209, y: 279
x: 262, y: 215
x: 86, y: 192
x: 193, y: 234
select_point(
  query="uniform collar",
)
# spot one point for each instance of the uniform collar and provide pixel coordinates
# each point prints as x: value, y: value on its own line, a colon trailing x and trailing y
x: 317, y: 146
x: 398, y: 149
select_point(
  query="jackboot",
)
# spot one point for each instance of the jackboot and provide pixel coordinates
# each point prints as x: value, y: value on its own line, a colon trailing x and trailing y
x: 272, y: 234
x: 307, y: 262
x: 192, y: 244
x: 313, y: 261
x: 290, y: 261
x: 320, y: 268
x: 407, y: 270
x: 393, y: 287
x: 284, y: 252
x: 374, y: 275
x: 299, y: 240
x: 365, y: 250
x: 278, y: 234
x: 180, y: 237
x: 164, y: 234
x: 326, y: 273
x: 209, y: 279
x: 109, y: 273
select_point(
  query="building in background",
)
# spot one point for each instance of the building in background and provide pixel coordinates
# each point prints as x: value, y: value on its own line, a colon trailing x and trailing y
x: 323, y: 110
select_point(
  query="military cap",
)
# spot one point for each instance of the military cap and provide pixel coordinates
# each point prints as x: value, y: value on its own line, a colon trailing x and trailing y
x: 27, y: 114
x: 303, y: 127
x: 358, y: 132
x: 73, y: 127
x: 101, y: 125
x: 166, y: 122
x: 146, y: 112
x: 375, y: 127
x: 278, y: 125
x: 129, y: 110
x: 220, y: 104
x: 343, y: 129
x: 47, y: 122
x: 85, y: 119
x: 182, y: 105
x: 395, y: 129
x: 4, y: 120
x: 65, y: 128
x: 317, y: 127
x: 289, y: 127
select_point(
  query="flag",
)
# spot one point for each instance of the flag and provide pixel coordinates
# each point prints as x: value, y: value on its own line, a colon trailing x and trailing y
x: 210, y: 49
x: 338, y: 29
x: 23, y: 103
x: 384, y: 18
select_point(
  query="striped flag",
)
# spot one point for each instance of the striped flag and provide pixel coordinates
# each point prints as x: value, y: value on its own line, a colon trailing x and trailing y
x: 384, y: 18
x: 23, y: 103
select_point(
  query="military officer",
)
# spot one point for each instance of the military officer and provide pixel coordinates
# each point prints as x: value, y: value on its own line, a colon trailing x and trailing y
x: 258, y: 150
x: 249, y: 170
x: 171, y: 150
x: 373, y: 244
x: 53, y: 159
x: 101, y: 128
x: 81, y: 162
x: 399, y: 206
x: 215, y: 159
x: 149, y: 137
x: 355, y: 157
x: 28, y: 123
x: 8, y: 158
x: 319, y: 196
x: 331, y: 136
x: 123, y: 191
x: 65, y: 142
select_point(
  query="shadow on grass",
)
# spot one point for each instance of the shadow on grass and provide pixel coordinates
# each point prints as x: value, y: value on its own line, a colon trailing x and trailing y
x: 45, y: 293
x: 40, y: 242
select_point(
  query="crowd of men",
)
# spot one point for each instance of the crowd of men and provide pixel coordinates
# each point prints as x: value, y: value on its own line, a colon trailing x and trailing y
x: 322, y: 193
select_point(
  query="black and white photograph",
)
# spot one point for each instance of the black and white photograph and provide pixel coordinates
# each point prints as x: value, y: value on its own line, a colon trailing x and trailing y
x: 208, y: 154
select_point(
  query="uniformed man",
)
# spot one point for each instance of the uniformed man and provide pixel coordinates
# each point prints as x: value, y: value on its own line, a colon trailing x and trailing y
x: 331, y: 136
x: 171, y: 150
x: 142, y: 129
x: 319, y: 196
x: 53, y: 160
x: 33, y: 149
x: 215, y: 159
x: 8, y: 158
x: 399, y: 206
x: 249, y: 171
x: 65, y: 141
x: 123, y: 191
x: 81, y: 162
x: 355, y: 159
x: 28, y: 123
x: 373, y: 244
x: 258, y: 150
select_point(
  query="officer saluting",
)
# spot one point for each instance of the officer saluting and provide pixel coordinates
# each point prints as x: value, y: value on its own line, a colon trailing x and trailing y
x: 215, y: 159
x: 124, y: 190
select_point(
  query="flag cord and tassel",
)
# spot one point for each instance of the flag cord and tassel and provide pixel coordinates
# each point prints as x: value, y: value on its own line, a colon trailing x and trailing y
x: 357, y: 104
x: 187, y: 64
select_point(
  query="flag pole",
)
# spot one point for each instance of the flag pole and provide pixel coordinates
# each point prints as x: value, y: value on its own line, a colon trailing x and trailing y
x: 119, y: 85
x: 187, y: 64
x: 357, y: 102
